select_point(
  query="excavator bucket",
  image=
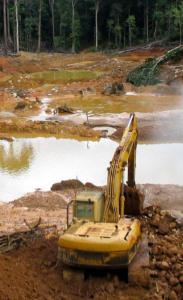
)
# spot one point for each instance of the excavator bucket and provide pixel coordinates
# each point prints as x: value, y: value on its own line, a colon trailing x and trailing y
x: 134, y: 200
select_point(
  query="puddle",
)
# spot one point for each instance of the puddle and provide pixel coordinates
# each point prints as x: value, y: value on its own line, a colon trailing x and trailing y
x: 68, y: 75
x: 28, y: 164
x: 7, y: 114
x: 100, y: 105
x: 109, y: 130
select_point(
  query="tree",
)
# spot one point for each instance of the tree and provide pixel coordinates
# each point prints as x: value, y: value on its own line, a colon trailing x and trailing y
x: 97, y: 2
x: 5, y: 27
x: 116, y: 11
x: 110, y: 24
x: 178, y: 15
x: 53, y: 21
x: 17, y: 26
x: 131, y: 24
x: 73, y: 50
x: 39, y: 27
x: 8, y: 23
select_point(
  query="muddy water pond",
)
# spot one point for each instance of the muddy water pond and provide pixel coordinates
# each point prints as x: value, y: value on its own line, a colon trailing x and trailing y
x: 37, y: 163
x: 106, y: 106
x: 68, y: 75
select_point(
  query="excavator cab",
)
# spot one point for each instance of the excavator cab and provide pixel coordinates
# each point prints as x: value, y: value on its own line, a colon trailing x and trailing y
x: 89, y: 205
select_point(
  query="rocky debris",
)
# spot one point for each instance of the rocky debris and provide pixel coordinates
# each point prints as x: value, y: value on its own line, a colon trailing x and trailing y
x: 90, y: 89
x: 63, y: 109
x: 82, y: 92
x: 166, y: 250
x: 115, y: 88
x: 21, y: 105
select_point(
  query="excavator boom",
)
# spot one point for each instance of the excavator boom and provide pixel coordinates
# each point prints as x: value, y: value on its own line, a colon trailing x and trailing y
x: 124, y: 155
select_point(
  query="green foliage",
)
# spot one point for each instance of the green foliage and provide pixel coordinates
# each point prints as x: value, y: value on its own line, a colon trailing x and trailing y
x: 57, y: 41
x: 92, y: 49
x: 119, y: 22
x: 144, y: 74
x: 174, y: 56
x: 131, y: 21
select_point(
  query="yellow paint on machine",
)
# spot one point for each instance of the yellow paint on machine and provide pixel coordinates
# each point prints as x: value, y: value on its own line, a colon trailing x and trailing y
x: 122, y: 238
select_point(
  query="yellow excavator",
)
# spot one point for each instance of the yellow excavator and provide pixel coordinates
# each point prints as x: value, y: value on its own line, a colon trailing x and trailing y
x: 101, y: 235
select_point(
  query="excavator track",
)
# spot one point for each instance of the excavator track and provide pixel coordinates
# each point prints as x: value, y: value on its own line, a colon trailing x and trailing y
x: 139, y: 271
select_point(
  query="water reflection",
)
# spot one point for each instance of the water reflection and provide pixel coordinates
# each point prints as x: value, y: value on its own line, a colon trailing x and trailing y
x: 27, y: 164
x: 15, y: 156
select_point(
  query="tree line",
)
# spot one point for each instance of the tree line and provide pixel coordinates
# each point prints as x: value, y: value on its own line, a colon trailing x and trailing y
x: 72, y: 25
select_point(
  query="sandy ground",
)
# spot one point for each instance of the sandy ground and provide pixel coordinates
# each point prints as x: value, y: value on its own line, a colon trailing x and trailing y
x: 30, y: 226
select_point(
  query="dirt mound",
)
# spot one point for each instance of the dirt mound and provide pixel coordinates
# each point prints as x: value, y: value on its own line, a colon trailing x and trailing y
x: 41, y: 200
x: 28, y: 273
x: 67, y: 184
x: 70, y: 184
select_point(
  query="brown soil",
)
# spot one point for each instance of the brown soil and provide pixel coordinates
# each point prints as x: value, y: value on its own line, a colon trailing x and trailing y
x: 29, y: 266
x: 30, y: 226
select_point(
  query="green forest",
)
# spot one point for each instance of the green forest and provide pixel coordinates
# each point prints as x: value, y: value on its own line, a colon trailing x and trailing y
x: 74, y: 25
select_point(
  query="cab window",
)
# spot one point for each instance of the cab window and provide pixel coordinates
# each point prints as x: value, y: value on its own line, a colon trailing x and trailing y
x: 85, y: 210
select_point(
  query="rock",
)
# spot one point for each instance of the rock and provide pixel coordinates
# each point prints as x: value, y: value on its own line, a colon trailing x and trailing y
x: 48, y: 111
x: 181, y: 279
x: 90, y: 89
x: 173, y: 281
x: 173, y: 225
x: 102, y: 288
x: 72, y: 274
x: 155, y: 222
x: 114, y: 88
x: 163, y: 228
x: 178, y: 289
x: 109, y: 287
x: 165, y: 265
x: 21, y: 105
x: 156, y: 250
x: 172, y: 251
x: 162, y: 274
x: 63, y: 109
x: 116, y: 281
x: 173, y: 296
x: 64, y: 297
x: 177, y: 267
x: 164, y: 250
x: 169, y: 239
x: 173, y: 259
x: 153, y: 273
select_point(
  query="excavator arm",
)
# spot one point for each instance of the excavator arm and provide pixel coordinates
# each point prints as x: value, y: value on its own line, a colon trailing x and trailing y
x: 124, y: 156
